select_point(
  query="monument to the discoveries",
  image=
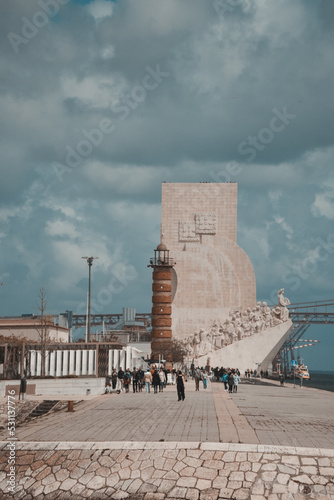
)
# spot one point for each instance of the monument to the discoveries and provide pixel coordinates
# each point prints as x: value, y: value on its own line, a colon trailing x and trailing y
x: 214, y: 308
x: 213, y: 274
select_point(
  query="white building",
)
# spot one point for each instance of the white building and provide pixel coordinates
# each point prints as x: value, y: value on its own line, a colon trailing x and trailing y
x: 29, y: 327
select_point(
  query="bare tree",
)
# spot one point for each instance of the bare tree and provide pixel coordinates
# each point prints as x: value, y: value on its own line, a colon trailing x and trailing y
x: 43, y: 329
x: 175, y: 352
x: 13, y: 355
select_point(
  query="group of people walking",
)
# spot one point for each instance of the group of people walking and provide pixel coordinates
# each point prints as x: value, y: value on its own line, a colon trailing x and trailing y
x: 139, y: 379
x: 200, y: 375
x: 231, y: 380
x: 156, y: 378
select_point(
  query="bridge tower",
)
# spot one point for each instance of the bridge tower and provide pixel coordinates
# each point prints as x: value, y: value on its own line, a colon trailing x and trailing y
x: 161, y: 336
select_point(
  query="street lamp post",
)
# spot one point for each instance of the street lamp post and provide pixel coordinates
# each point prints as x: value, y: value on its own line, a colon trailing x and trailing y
x: 90, y: 263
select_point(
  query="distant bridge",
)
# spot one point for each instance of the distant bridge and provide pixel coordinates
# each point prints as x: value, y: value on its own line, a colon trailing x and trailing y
x: 321, y: 312
x: 303, y: 315
x: 312, y: 313
x: 79, y: 320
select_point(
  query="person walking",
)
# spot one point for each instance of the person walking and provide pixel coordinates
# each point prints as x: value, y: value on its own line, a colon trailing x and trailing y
x: 236, y: 380
x: 23, y: 387
x: 197, y: 377
x: 127, y: 379
x: 230, y: 382
x: 134, y: 376
x: 205, y: 380
x: 148, y: 381
x: 162, y: 380
x: 180, y: 386
x: 114, y: 379
x: 225, y: 381
x: 156, y: 381
x: 120, y: 377
x: 140, y: 379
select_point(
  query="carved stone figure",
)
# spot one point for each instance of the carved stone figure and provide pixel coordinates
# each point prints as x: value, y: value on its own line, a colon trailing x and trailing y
x: 239, y: 325
x: 206, y: 342
x: 230, y: 330
x: 276, y: 315
x: 217, y: 336
x: 196, y: 344
x: 282, y: 303
x: 239, y: 329
x: 266, y: 313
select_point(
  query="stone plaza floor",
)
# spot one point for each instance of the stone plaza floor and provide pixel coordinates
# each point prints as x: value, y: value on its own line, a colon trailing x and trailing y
x: 264, y: 443
x: 257, y: 414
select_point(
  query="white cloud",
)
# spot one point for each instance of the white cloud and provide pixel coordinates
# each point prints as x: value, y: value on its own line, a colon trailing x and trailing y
x: 284, y: 225
x: 100, y: 9
x: 61, y: 228
x: 324, y: 205
x: 69, y: 211
x: 98, y: 91
x: 6, y: 213
x: 124, y: 180
x: 257, y: 241
x: 225, y: 77
x: 108, y: 52
x: 275, y: 195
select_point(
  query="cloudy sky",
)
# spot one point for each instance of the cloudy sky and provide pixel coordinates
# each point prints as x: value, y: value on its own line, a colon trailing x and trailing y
x: 101, y: 101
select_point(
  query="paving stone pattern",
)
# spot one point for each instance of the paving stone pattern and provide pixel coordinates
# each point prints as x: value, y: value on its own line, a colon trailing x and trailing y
x: 158, y: 471
x: 288, y: 416
x: 261, y: 414
x: 152, y: 447
x: 131, y: 417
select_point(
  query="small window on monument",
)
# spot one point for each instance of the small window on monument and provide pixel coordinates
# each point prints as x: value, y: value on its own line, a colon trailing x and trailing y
x: 161, y: 286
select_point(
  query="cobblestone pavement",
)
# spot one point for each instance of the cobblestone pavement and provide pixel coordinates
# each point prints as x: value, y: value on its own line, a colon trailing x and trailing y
x: 152, y: 447
x: 162, y: 471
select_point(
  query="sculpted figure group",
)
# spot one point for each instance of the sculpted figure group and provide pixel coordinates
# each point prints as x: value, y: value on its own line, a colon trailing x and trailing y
x: 238, y: 326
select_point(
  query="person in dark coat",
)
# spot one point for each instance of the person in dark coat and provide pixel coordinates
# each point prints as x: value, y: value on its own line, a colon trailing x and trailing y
x: 156, y: 381
x: 140, y: 379
x: 127, y: 380
x: 120, y: 376
x: 180, y: 386
x: 197, y: 377
x: 23, y: 386
x: 230, y: 382
x: 135, y: 378
x: 114, y: 379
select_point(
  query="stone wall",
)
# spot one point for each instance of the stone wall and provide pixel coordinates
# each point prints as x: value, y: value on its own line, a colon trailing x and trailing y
x: 212, y: 273
x: 148, y: 471
x: 59, y: 386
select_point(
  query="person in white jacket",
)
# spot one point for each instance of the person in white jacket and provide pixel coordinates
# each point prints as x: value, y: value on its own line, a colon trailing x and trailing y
x: 162, y: 380
x: 236, y: 379
x: 148, y: 381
